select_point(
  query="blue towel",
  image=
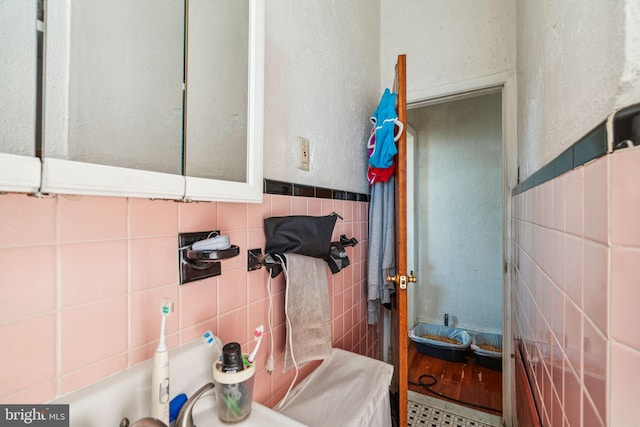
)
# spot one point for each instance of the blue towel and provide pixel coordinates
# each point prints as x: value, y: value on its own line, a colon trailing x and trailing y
x: 384, y: 119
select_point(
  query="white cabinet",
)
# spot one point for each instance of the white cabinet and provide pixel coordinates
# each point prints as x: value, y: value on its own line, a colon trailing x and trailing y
x: 120, y: 114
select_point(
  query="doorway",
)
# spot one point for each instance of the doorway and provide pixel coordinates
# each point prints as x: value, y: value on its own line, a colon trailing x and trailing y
x: 456, y: 190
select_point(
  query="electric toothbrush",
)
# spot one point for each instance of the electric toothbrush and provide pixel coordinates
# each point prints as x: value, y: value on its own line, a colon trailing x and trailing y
x: 160, y: 373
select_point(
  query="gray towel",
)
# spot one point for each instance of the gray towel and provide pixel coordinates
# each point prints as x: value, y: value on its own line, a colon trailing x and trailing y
x: 307, y: 308
x: 382, y: 247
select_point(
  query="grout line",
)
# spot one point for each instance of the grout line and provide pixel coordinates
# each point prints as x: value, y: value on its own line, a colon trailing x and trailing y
x: 58, y: 302
x: 129, y: 285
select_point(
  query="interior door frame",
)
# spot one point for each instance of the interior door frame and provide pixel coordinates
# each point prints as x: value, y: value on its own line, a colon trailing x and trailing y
x: 398, y: 316
x: 507, y: 83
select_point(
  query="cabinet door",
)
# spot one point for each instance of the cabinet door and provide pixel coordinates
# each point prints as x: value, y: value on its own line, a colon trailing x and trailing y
x: 19, y: 168
x: 113, y: 97
x: 217, y: 89
x: 225, y: 100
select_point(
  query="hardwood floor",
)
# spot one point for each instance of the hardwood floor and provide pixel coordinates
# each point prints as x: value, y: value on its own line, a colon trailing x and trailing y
x: 465, y: 381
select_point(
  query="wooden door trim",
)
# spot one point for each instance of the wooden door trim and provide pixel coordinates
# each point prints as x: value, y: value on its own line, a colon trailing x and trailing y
x: 401, y: 240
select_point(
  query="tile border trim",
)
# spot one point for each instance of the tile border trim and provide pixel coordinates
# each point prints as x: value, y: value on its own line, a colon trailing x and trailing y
x: 290, y: 189
x: 593, y: 145
x: 590, y: 147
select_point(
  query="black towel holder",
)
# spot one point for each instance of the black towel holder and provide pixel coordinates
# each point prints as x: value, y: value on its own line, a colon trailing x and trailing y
x: 256, y: 260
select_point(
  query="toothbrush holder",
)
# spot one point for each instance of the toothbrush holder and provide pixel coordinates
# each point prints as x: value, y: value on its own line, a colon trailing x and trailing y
x: 234, y: 392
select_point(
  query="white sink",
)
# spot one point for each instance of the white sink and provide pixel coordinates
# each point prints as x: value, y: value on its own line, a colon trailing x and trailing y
x: 204, y: 415
x: 127, y: 394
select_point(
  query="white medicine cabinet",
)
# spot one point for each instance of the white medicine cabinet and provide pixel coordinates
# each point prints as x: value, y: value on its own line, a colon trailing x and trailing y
x: 138, y: 99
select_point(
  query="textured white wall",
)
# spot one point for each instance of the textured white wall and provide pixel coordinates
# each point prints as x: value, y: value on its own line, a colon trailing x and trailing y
x: 446, y: 41
x: 629, y: 92
x: 18, y: 66
x: 458, y: 199
x: 321, y: 83
x: 577, y: 62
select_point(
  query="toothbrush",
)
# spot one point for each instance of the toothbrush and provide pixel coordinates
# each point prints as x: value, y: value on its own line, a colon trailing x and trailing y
x: 213, y: 342
x: 160, y: 373
x: 257, y: 336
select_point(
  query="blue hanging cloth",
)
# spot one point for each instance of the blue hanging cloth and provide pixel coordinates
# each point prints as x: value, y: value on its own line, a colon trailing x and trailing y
x: 384, y: 118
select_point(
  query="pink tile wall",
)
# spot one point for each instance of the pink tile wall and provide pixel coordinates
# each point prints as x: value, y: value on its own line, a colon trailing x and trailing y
x: 576, y: 291
x: 82, y: 278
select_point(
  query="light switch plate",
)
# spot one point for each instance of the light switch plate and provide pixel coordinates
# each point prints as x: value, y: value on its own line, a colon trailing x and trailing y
x: 303, y: 154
